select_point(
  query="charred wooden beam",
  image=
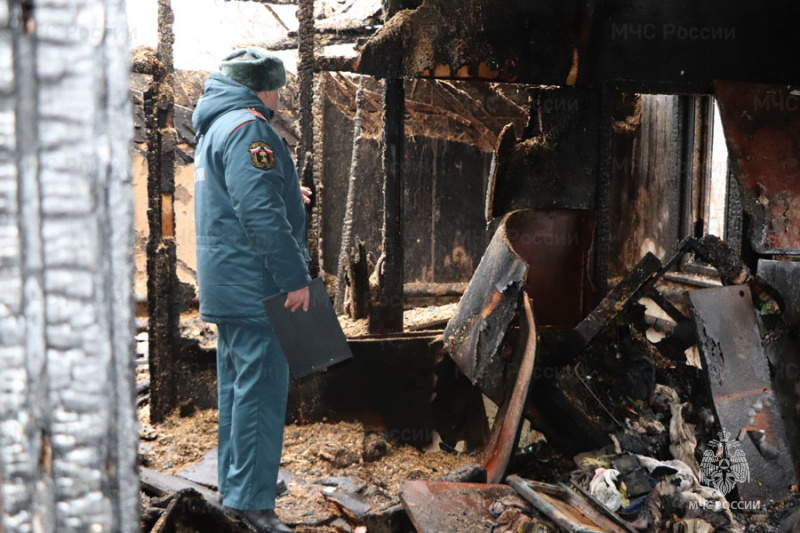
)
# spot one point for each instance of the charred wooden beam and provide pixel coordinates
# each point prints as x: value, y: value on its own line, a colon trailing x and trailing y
x: 389, y: 313
x: 358, y: 276
x: 423, y: 289
x: 677, y: 46
x: 347, y: 225
x: 305, y: 150
x: 614, y: 302
x: 555, y: 163
x: 162, y: 279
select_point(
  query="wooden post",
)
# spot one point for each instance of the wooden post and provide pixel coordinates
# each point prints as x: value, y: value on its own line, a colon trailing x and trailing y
x: 67, y: 414
x: 388, y: 317
x: 162, y: 278
x: 389, y: 314
x: 347, y: 226
x: 305, y: 149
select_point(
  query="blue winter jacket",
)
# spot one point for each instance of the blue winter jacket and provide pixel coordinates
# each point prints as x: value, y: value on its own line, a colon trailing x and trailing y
x: 249, y: 214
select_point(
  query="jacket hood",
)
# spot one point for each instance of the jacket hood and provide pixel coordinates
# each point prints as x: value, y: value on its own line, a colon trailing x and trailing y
x: 221, y: 95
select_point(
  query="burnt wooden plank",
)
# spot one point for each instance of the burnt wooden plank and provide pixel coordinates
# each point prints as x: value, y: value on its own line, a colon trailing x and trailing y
x: 568, y: 510
x: 613, y: 303
x: 555, y: 166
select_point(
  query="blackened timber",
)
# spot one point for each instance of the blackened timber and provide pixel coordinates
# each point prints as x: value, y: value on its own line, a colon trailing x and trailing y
x: 162, y: 279
x: 305, y: 149
x: 389, y: 316
x: 358, y: 276
x: 347, y: 225
x: 684, y: 45
x: 616, y: 299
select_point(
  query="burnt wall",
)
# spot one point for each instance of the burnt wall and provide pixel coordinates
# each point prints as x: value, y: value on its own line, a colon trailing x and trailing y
x: 646, y: 152
x: 445, y: 233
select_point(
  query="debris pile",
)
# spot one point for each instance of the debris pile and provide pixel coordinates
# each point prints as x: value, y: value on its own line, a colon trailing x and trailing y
x: 667, y: 408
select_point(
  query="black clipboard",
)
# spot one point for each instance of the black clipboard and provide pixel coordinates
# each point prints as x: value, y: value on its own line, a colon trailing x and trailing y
x: 312, y: 340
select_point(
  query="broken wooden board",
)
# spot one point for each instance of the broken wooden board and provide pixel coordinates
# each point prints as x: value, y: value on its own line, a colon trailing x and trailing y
x: 190, y: 511
x: 204, y: 472
x: 437, y: 506
x: 568, y: 510
x: 744, y: 401
x: 614, y: 302
x: 162, y: 484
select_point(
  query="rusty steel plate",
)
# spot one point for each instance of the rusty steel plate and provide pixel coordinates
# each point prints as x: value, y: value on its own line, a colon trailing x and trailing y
x: 438, y: 506
x: 744, y: 399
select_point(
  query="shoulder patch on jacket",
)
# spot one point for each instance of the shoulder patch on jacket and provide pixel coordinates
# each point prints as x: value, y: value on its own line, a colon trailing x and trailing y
x: 262, y: 155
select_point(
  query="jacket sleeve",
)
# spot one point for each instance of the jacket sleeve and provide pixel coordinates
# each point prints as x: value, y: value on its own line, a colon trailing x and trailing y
x: 257, y: 197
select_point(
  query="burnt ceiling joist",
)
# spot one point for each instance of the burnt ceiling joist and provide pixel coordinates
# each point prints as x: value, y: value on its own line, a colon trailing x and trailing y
x: 681, y: 45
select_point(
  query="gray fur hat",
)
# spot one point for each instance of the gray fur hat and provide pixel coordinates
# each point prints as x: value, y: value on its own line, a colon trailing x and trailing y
x: 255, y: 68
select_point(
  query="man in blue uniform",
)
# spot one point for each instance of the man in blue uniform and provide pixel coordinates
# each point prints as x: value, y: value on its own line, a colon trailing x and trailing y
x: 250, y: 224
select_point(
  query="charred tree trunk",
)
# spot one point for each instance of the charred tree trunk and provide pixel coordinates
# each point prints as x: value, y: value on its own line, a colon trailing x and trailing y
x: 67, y: 421
x: 162, y: 278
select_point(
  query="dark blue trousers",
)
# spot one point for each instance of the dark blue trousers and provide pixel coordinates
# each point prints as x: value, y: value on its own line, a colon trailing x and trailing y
x: 252, y: 386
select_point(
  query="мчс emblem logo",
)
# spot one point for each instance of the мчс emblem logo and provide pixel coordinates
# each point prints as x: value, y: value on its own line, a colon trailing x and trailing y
x: 262, y: 155
x: 721, y: 468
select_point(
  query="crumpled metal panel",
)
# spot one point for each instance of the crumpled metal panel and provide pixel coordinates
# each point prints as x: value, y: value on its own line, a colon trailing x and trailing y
x: 474, y: 335
x: 739, y: 379
x: 762, y: 129
x: 545, y: 253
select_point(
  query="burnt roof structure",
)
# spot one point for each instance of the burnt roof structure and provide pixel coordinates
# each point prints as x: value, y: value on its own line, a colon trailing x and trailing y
x: 678, y: 46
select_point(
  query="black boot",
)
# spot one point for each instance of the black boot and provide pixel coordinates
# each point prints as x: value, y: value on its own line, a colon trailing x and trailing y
x: 265, y: 521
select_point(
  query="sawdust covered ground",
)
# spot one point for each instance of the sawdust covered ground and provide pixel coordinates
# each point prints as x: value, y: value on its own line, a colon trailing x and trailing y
x: 315, y: 455
x: 413, y: 319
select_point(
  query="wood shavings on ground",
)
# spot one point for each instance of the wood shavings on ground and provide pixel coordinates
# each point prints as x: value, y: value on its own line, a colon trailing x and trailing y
x: 318, y: 456
x: 418, y: 318
x: 171, y: 445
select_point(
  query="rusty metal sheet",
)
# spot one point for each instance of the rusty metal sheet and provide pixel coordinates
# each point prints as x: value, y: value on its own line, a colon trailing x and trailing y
x: 437, y: 506
x: 739, y: 380
x: 546, y: 254
x: 762, y: 129
x: 506, y: 424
